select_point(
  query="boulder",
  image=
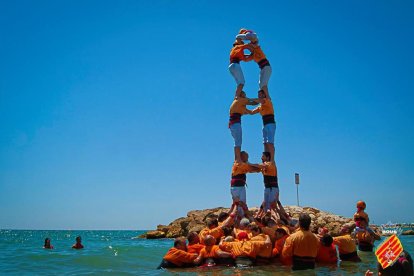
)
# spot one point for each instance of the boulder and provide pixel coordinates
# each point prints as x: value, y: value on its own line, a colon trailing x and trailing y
x: 408, y: 232
x: 195, y: 221
x: 154, y: 235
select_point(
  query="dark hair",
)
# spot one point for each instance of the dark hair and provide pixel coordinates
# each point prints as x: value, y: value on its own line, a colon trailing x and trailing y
x: 267, y: 154
x: 281, y: 231
x: 78, y: 238
x: 191, y: 236
x: 222, y: 216
x: 255, y: 228
x: 261, y: 91
x: 304, y: 221
x: 211, y: 222
x: 227, y: 231
x: 178, y: 241
x: 327, y: 240
x: 47, y: 240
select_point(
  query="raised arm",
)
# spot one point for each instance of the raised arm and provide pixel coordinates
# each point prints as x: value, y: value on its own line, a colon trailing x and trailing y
x: 230, y: 219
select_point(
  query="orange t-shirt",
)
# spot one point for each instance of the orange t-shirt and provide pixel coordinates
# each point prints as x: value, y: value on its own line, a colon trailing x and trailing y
x: 269, y: 168
x: 210, y: 252
x: 258, y: 54
x: 239, y: 106
x: 237, y: 52
x: 327, y: 254
x: 345, y: 243
x: 302, y: 244
x: 265, y: 108
x: 179, y: 257
x: 216, y: 232
x: 240, y: 168
x: 195, y: 248
x: 270, y: 231
x: 277, y: 250
x: 265, y: 251
x: 243, y: 248
x: 364, y: 236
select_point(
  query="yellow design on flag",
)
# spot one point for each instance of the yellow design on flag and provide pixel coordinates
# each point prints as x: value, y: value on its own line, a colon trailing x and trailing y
x: 389, y: 251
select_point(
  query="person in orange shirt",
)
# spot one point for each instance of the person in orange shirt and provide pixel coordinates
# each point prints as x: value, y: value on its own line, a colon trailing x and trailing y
x: 281, y: 233
x: 302, y: 246
x: 365, y: 238
x: 346, y: 245
x: 271, y: 191
x: 264, y: 254
x: 194, y: 245
x: 327, y: 251
x: 245, y: 251
x: 211, y: 252
x: 238, y: 182
x: 258, y: 56
x: 214, y: 229
x: 237, y: 54
x: 237, y: 110
x: 178, y: 256
x: 269, y: 124
x: 361, y: 216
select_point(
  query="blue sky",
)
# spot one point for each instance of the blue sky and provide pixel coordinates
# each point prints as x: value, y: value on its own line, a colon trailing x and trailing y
x: 113, y: 115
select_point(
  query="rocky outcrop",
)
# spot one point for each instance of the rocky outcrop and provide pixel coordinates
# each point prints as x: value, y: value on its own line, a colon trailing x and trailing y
x: 195, y: 221
x: 408, y: 232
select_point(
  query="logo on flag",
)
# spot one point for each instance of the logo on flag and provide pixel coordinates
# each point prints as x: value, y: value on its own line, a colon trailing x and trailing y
x: 389, y: 251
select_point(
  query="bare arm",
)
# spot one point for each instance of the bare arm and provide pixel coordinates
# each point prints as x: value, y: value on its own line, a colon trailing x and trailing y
x: 254, y: 101
x: 230, y: 219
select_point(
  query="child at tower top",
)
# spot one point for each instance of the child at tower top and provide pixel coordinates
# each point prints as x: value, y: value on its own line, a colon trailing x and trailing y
x: 360, y: 215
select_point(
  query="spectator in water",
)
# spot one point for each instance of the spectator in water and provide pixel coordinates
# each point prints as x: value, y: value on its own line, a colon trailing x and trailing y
x: 47, y: 244
x: 78, y: 244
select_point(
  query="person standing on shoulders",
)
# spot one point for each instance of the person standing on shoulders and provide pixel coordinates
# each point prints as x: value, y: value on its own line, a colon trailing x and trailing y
x: 238, y: 109
x: 269, y: 124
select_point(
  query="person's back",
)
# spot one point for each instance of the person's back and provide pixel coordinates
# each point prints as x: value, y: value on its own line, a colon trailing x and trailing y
x: 178, y: 256
x: 346, y: 245
x: 302, y: 246
x: 327, y: 250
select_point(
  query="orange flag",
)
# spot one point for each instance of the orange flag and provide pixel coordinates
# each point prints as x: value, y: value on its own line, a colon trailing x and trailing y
x: 389, y: 251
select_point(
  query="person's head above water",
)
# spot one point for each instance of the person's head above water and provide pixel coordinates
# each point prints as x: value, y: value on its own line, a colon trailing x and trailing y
x: 47, y: 243
x: 193, y: 238
x: 180, y: 243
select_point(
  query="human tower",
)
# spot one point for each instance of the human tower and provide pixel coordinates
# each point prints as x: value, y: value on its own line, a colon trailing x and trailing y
x: 247, y: 41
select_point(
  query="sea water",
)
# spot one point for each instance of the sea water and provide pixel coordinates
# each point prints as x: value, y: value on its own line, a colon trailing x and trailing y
x: 120, y: 252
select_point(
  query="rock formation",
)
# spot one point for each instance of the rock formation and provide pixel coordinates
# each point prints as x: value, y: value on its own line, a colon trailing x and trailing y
x: 195, y: 221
